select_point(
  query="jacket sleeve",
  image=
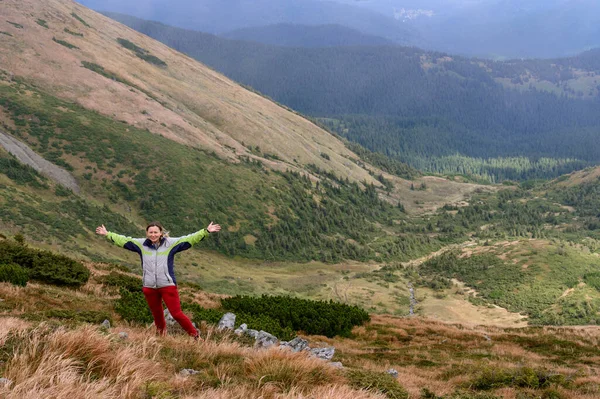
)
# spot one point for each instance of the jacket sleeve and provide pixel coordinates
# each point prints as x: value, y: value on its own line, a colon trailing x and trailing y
x: 124, y: 242
x: 186, y: 242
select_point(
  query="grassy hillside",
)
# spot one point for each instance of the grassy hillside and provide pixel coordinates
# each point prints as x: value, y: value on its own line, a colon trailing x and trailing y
x: 330, y: 225
x: 85, y: 58
x: 151, y: 134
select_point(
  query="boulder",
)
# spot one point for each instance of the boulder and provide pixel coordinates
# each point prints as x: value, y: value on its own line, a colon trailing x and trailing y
x: 186, y: 372
x: 323, y: 353
x: 5, y: 382
x: 241, y: 329
x: 265, y: 340
x: 169, y: 319
x: 227, y: 322
x: 296, y: 345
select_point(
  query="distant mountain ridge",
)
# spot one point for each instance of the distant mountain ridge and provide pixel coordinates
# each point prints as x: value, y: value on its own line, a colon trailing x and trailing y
x: 416, y: 105
x: 220, y: 16
x: 493, y: 29
x: 291, y: 35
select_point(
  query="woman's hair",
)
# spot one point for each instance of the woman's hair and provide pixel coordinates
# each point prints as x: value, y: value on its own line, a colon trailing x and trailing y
x: 164, y: 232
x: 155, y: 224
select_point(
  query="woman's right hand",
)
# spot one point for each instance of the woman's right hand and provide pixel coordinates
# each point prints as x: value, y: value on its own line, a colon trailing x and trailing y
x: 101, y: 230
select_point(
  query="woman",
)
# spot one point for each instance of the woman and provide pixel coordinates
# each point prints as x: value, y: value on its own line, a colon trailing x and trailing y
x: 157, y: 252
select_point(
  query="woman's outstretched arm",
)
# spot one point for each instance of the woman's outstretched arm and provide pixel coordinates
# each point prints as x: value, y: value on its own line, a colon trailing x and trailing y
x: 212, y: 228
x: 129, y: 243
x: 101, y: 230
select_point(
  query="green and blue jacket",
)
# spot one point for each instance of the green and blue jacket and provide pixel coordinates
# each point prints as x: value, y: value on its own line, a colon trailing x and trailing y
x: 158, y: 259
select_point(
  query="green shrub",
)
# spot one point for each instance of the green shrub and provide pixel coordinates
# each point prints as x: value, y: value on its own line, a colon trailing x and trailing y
x: 380, y: 382
x: 14, y: 274
x: 43, y: 23
x: 592, y: 279
x: 115, y: 279
x: 141, y: 52
x: 58, y: 270
x: 21, y: 173
x: 253, y: 321
x: 265, y: 323
x: 524, y: 377
x: 211, y: 316
x: 70, y: 32
x: 427, y: 394
x: 45, y: 266
x: 16, y: 25
x: 132, y: 306
x: 77, y: 17
x: 293, y: 314
x: 64, y: 43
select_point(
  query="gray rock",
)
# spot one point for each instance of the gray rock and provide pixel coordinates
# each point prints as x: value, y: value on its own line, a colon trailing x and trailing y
x: 227, y: 322
x: 393, y: 373
x: 487, y: 338
x: 296, y: 345
x: 186, y: 372
x: 252, y: 333
x: 241, y: 329
x: 337, y: 365
x: 265, y: 340
x: 123, y: 335
x: 106, y: 324
x: 26, y: 155
x: 168, y: 318
x: 5, y: 382
x: 323, y: 353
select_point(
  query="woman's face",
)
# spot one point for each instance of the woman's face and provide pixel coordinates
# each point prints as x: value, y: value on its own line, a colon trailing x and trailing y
x: 153, y: 234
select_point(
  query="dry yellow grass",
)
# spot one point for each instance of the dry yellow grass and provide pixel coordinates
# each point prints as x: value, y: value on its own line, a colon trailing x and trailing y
x: 84, y: 363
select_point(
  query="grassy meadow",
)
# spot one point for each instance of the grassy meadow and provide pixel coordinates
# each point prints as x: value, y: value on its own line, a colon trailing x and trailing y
x: 52, y: 345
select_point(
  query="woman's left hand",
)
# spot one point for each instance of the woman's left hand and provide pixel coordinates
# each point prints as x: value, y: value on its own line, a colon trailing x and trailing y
x: 213, y: 228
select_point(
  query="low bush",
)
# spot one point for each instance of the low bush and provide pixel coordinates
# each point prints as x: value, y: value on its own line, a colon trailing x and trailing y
x: 77, y: 17
x: 253, y: 321
x: 141, y: 52
x: 21, y: 173
x: 64, y: 43
x: 211, y: 316
x: 14, y: 274
x: 379, y: 382
x: 115, y: 279
x: 312, y: 317
x: 524, y: 377
x: 265, y: 323
x: 45, y: 266
x: 132, y: 306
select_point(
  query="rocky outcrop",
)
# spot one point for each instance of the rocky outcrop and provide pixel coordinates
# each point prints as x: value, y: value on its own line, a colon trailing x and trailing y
x: 26, y: 155
x: 265, y: 340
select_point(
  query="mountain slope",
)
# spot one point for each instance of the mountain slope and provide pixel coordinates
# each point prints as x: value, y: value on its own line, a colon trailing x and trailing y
x: 185, y: 101
x: 148, y: 133
x: 422, y: 107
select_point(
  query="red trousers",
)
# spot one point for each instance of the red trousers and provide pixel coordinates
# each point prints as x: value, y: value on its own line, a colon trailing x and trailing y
x: 170, y: 295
